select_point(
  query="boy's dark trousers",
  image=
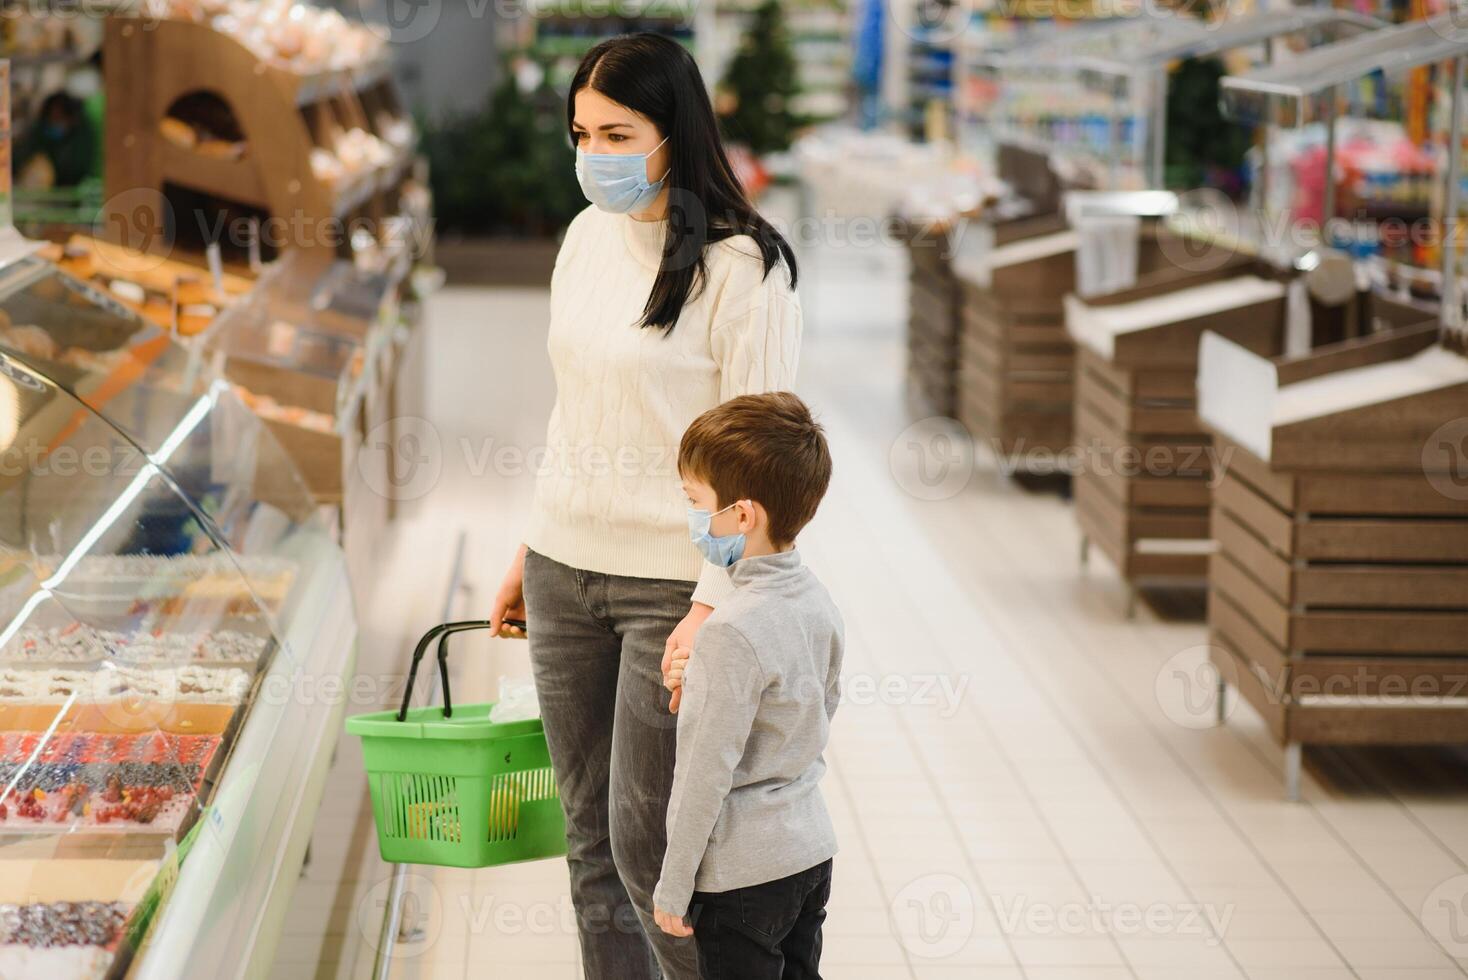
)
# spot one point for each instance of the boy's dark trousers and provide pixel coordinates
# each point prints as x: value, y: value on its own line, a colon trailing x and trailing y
x: 770, y: 931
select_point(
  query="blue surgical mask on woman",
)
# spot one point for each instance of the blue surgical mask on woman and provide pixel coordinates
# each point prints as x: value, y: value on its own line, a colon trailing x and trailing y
x: 722, y: 550
x: 617, y: 182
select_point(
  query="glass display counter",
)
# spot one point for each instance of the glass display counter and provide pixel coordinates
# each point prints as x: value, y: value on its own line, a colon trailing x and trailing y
x: 175, y: 632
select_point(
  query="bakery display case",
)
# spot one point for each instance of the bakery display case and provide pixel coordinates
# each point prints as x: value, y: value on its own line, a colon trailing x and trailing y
x: 174, y: 620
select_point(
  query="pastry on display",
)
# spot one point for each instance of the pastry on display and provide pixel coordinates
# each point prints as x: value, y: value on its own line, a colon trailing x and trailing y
x: 360, y: 151
x: 216, y: 575
x: 102, y: 797
x: 188, y: 137
x: 183, y: 700
x: 34, y: 341
x: 191, y: 683
x: 268, y: 408
x: 178, y: 132
x: 81, y: 644
x: 63, y: 919
x: 30, y: 340
x: 165, y: 298
x: 325, y: 166
x: 294, y: 36
x: 395, y: 130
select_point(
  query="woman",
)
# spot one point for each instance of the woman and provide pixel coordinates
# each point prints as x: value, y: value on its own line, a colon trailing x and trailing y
x: 670, y: 295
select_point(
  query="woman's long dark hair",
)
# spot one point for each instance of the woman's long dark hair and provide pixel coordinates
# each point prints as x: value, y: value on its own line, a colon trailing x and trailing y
x: 657, y: 77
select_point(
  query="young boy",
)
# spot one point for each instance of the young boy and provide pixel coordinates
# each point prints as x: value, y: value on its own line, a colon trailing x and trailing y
x: 747, y: 871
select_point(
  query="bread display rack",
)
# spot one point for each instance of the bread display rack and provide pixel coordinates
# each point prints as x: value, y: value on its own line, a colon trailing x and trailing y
x: 1338, y: 597
x: 299, y: 172
x: 230, y: 140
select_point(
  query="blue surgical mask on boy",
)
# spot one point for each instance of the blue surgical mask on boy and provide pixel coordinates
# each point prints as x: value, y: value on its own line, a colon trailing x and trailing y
x: 722, y: 550
x: 617, y: 182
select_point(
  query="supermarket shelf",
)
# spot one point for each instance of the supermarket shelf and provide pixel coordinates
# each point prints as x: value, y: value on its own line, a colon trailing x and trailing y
x: 1298, y: 82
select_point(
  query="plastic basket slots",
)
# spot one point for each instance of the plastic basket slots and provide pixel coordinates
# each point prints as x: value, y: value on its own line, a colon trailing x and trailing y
x: 450, y: 787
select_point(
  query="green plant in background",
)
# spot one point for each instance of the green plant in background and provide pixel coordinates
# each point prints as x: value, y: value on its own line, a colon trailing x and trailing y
x: 1203, y: 148
x: 760, y: 85
x: 508, y: 168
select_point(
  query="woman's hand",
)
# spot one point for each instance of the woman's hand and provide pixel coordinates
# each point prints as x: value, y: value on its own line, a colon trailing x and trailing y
x: 672, y: 924
x: 509, y: 601
x: 682, y: 638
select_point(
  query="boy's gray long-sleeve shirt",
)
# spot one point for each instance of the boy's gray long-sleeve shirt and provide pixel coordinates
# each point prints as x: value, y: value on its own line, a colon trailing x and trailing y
x: 758, y: 695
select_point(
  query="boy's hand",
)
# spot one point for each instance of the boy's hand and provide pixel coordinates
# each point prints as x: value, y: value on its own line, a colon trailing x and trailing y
x: 672, y: 924
x: 682, y: 636
x: 674, y: 663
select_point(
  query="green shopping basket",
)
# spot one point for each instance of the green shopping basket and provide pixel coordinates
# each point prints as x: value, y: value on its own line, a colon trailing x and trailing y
x: 451, y: 787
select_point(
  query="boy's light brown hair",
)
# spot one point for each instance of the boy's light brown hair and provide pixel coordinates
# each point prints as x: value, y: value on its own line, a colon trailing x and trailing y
x: 765, y: 448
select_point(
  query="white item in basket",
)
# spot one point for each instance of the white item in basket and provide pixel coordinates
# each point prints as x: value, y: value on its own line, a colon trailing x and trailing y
x: 517, y: 701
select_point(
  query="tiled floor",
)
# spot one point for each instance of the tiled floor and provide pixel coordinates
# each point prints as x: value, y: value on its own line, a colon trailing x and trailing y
x: 1024, y: 782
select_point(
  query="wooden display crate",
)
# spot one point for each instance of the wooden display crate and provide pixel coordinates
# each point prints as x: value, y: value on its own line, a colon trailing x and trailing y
x: 1142, y: 492
x: 1017, y: 362
x: 1338, y: 596
x: 164, y: 196
x: 932, y: 323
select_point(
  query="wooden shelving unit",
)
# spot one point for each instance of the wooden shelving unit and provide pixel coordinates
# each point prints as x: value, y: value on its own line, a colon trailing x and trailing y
x: 1142, y: 492
x: 281, y: 117
x: 1338, y: 597
x: 933, y: 319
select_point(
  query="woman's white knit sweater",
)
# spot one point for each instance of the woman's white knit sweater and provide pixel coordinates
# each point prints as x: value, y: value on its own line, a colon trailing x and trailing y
x: 608, y: 498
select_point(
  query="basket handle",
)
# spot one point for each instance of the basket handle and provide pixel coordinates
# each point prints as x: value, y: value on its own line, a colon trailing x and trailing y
x: 441, y: 633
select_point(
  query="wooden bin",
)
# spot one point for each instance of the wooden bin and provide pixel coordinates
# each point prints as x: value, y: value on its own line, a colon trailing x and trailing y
x: 1017, y: 363
x: 164, y: 196
x: 932, y: 321
x: 1143, y: 459
x: 1014, y: 358
x: 1338, y: 596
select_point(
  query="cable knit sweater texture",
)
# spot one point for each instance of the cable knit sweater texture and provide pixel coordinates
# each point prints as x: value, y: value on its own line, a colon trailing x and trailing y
x: 608, y: 498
